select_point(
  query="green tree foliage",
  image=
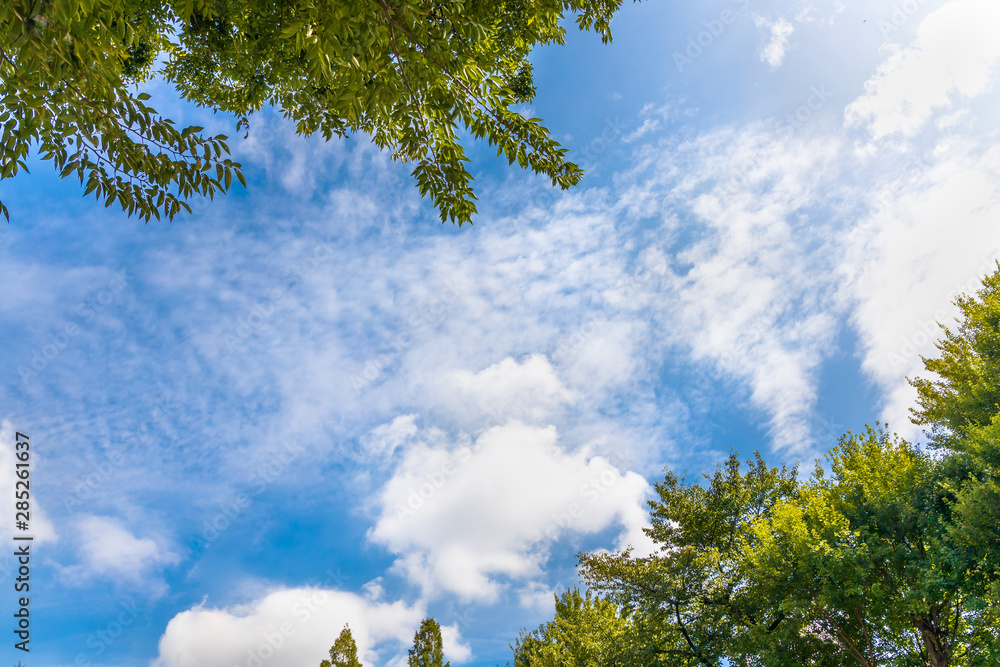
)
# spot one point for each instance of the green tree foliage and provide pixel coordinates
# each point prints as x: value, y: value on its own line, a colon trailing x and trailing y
x: 961, y: 407
x: 891, y: 557
x: 411, y: 74
x: 864, y: 555
x: 692, y: 604
x: 65, y: 69
x: 585, y: 632
x: 428, y: 650
x: 858, y: 566
x: 344, y: 652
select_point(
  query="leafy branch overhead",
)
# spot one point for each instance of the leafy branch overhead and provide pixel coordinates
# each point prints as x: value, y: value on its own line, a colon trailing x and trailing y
x: 410, y: 74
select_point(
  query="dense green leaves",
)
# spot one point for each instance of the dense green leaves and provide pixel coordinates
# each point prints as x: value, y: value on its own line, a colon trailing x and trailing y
x: 63, y: 68
x: 428, y: 649
x: 410, y: 74
x: 692, y: 603
x: 586, y: 632
x: 965, y: 399
x: 866, y: 556
x: 344, y: 652
x: 858, y: 566
x: 961, y: 405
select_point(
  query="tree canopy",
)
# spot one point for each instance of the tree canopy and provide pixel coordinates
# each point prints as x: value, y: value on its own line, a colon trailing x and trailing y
x: 344, y: 652
x: 962, y: 406
x: 428, y: 649
x: 887, y: 556
x: 586, y: 631
x: 411, y: 74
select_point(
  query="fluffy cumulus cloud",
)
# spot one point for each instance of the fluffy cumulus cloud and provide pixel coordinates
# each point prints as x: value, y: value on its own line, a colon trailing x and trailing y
x: 294, y: 627
x: 461, y: 519
x: 530, y: 391
x: 536, y: 595
x: 953, y: 56
x: 108, y: 550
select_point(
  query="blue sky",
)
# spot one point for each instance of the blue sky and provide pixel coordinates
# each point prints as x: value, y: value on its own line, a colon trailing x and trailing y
x: 312, y: 404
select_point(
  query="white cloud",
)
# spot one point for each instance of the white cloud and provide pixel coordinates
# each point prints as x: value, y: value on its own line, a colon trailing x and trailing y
x: 454, y: 648
x: 752, y: 294
x: 652, y: 117
x: 773, y: 53
x: 460, y: 520
x: 779, y: 260
x: 294, y: 627
x: 374, y: 590
x: 931, y: 235
x: 537, y: 596
x: 109, y: 551
x: 955, y: 51
x: 529, y: 391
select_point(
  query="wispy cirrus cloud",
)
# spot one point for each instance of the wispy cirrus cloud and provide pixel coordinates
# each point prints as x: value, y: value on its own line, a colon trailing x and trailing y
x: 779, y: 32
